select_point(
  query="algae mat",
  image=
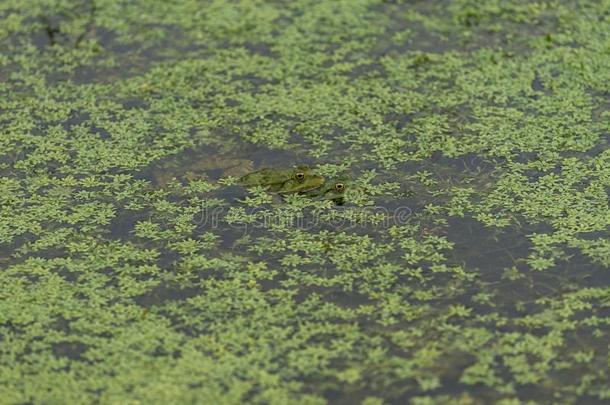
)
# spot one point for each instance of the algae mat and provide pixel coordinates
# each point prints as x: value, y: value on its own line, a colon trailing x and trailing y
x: 468, y: 264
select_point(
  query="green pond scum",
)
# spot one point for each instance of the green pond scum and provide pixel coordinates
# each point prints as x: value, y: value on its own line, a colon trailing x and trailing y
x: 433, y: 225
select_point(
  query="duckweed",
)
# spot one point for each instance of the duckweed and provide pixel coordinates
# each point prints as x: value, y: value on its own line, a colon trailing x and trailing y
x: 469, y: 265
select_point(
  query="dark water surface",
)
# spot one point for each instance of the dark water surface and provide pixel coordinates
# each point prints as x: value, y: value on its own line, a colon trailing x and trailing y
x: 467, y: 263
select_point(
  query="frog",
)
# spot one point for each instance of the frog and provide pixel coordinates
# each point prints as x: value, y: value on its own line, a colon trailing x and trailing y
x: 299, y: 179
x: 331, y: 190
x: 197, y: 168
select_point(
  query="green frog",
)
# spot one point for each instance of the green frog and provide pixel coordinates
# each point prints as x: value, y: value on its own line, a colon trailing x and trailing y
x: 195, y: 169
x: 284, y: 181
x: 331, y: 190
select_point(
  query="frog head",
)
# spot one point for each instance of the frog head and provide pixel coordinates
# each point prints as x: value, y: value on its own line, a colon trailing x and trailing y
x: 298, y: 179
x: 303, y: 179
x: 331, y: 190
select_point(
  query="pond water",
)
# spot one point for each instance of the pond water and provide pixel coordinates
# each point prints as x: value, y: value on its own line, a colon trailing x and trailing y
x: 466, y: 261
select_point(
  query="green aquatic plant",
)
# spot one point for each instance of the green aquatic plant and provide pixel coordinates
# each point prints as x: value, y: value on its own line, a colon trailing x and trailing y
x: 466, y: 264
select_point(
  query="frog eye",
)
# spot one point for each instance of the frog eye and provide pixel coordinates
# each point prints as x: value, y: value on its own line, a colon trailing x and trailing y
x: 340, y: 187
x: 300, y: 176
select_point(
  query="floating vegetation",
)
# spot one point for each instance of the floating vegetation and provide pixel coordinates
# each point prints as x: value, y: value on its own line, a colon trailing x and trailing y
x: 432, y: 225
